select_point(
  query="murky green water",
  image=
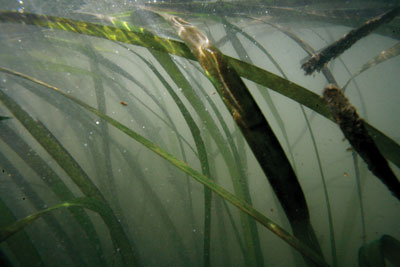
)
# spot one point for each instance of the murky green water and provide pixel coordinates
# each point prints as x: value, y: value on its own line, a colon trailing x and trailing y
x: 126, y: 145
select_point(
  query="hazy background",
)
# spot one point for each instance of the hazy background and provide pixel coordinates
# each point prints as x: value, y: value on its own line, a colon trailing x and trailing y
x: 160, y: 208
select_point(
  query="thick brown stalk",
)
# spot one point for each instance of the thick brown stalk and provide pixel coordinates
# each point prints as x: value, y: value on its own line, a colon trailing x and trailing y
x: 317, y: 61
x: 354, y: 130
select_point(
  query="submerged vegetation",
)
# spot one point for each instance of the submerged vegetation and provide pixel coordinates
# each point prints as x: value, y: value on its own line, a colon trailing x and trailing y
x: 79, y: 93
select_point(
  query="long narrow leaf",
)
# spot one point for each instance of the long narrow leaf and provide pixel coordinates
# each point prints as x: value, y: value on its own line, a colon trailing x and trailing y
x: 52, y: 180
x: 243, y: 206
x: 36, y: 201
x: 72, y: 168
x: 254, y: 127
x: 238, y: 181
x: 20, y: 245
x: 382, y: 57
x: 388, y: 147
x: 201, y: 150
x: 88, y: 203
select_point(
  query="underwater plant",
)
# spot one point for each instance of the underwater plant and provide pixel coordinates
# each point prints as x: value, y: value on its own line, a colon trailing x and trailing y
x: 155, y: 139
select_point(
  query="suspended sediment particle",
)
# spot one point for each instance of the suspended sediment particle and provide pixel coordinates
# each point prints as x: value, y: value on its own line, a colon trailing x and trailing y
x: 317, y: 61
x: 354, y: 130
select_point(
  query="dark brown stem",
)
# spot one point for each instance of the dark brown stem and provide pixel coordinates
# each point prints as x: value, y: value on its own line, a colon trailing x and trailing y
x: 354, y: 130
x: 317, y: 61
